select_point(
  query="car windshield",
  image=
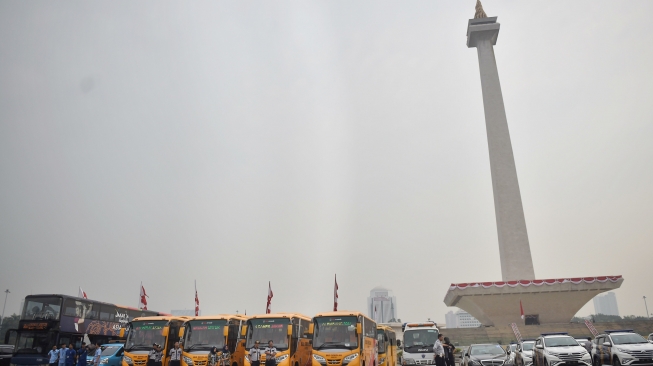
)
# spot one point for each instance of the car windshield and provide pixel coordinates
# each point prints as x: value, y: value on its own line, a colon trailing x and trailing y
x: 487, y: 349
x: 145, y: 333
x: 631, y: 338
x: 110, y: 350
x: 335, y: 332
x: 527, y: 346
x: 42, y: 308
x: 33, y: 342
x: 422, y: 338
x: 204, y: 334
x: 560, y: 342
x: 268, y: 329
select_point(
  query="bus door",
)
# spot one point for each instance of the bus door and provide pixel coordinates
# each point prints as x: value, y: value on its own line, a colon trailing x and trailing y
x: 232, y: 338
x: 293, y: 329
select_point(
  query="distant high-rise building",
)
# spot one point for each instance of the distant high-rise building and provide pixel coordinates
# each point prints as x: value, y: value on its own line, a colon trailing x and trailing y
x: 461, y: 319
x: 382, y: 305
x: 606, y: 304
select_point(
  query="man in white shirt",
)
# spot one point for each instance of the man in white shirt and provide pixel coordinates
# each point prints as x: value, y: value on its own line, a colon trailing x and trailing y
x: 438, y: 351
x: 255, y: 355
x: 98, y: 353
x: 175, y: 355
x: 270, y: 354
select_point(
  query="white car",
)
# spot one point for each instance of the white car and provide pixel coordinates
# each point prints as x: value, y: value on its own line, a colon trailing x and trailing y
x: 622, y: 347
x: 558, y: 349
x: 524, y: 353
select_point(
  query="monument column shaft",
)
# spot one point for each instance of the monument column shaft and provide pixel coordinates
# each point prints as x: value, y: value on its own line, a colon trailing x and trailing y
x: 514, y: 248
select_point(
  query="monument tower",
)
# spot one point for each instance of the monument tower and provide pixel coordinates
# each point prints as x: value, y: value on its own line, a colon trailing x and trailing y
x: 499, y: 303
x: 514, y: 249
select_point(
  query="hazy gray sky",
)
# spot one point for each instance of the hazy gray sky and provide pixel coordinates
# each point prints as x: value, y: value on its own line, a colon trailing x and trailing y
x: 238, y: 143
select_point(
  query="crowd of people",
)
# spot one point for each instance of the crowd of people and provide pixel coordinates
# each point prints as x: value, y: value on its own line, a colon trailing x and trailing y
x: 68, y: 356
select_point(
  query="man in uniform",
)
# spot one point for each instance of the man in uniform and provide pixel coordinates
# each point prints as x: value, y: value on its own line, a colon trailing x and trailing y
x: 438, y: 351
x: 62, y: 354
x: 255, y: 355
x: 270, y: 353
x: 175, y: 355
x: 97, y: 354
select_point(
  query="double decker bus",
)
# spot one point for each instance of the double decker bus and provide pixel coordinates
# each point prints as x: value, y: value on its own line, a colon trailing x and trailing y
x: 386, y: 340
x: 200, y: 334
x: 50, y: 320
x: 143, y: 332
x: 288, y: 331
x: 344, y: 338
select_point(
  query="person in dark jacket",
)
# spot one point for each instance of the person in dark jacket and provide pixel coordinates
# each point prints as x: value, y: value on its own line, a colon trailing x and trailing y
x: 448, y: 352
x: 70, y: 355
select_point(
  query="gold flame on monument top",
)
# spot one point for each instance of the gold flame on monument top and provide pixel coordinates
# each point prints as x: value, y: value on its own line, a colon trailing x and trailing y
x: 479, y: 10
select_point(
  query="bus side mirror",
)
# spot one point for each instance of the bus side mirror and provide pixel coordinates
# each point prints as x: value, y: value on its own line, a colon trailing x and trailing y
x: 243, y: 331
x: 289, y: 329
x: 182, y: 330
x: 165, y: 331
x: 398, y: 343
x: 359, y: 328
x: 226, y: 331
x: 311, y: 327
x: 122, y: 332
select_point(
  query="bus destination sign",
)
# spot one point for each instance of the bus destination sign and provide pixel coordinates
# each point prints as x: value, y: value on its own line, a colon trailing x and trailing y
x: 34, y: 326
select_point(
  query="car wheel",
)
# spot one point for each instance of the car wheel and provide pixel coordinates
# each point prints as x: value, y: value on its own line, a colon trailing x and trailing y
x: 546, y: 362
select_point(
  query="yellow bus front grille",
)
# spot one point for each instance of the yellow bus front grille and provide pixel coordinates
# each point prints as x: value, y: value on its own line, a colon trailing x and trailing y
x: 200, y: 362
x: 333, y: 362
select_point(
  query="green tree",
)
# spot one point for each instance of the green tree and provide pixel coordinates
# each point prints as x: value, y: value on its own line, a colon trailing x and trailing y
x: 9, y: 322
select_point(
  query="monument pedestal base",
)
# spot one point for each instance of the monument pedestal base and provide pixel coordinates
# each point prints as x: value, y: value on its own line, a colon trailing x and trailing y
x: 544, y: 301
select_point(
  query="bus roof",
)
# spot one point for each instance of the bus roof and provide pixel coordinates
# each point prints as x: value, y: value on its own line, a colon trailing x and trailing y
x: 63, y: 296
x: 218, y: 316
x: 280, y: 315
x: 168, y: 318
x: 384, y: 327
x: 342, y: 313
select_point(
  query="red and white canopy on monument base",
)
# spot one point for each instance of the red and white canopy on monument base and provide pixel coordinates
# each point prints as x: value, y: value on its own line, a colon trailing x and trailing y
x: 526, y: 283
x: 548, y: 301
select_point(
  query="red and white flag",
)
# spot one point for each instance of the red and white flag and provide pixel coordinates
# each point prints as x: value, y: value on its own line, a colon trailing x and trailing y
x: 521, y: 308
x: 270, y: 294
x: 142, y: 304
x: 82, y: 294
x: 335, y: 294
x: 197, y: 302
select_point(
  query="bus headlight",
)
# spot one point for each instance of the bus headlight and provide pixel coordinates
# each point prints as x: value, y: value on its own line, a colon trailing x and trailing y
x: 281, y: 358
x: 349, y: 358
x: 382, y: 360
x: 319, y: 359
x: 128, y: 360
x: 188, y: 360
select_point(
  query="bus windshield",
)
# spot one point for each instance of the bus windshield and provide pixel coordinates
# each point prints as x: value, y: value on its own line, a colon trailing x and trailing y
x: 272, y: 329
x: 33, y: 342
x: 204, y: 334
x: 421, y: 338
x: 145, y: 333
x: 42, y: 308
x: 335, y: 332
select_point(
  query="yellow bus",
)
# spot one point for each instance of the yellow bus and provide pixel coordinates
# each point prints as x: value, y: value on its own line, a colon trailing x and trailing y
x: 288, y: 332
x: 143, y: 332
x: 201, y: 333
x: 344, y: 338
x: 386, y: 340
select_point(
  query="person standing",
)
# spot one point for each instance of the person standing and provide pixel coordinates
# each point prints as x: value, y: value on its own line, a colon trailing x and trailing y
x: 54, y: 355
x: 62, y: 354
x: 270, y: 354
x: 70, y: 355
x: 97, y: 354
x: 255, y: 355
x: 449, y: 352
x: 175, y: 355
x: 158, y: 355
x: 438, y: 351
x: 224, y: 358
x: 151, y: 355
x: 81, y: 355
